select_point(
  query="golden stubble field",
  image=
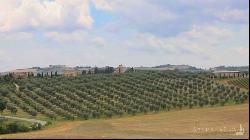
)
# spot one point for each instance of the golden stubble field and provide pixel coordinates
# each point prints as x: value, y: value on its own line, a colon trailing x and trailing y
x: 217, y: 122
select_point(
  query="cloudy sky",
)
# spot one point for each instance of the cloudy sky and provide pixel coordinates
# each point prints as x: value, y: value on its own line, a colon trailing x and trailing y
x: 202, y: 33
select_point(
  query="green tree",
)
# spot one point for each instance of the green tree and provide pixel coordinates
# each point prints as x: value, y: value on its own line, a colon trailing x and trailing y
x: 84, y: 72
x: 95, y: 70
x: 17, y: 127
x: 13, y: 110
x: 3, y: 104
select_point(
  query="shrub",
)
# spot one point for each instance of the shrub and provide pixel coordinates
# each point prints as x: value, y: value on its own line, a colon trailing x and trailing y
x: 36, y: 126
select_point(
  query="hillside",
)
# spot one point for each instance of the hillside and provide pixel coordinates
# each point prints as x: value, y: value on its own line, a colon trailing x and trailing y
x: 98, y: 96
x: 178, y: 67
x: 232, y: 68
x: 191, y: 123
x: 240, y: 82
x: 185, y: 68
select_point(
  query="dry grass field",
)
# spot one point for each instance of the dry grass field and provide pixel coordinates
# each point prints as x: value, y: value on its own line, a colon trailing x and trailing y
x: 217, y: 122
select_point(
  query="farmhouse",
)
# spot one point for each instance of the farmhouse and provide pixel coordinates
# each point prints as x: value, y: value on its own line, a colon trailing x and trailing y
x: 22, y: 73
x: 71, y: 73
x: 227, y: 73
x: 120, y: 69
x: 85, y: 70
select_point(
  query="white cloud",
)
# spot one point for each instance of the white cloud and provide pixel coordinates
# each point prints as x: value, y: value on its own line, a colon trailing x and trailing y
x: 199, y: 2
x: 137, y: 11
x: 102, y: 5
x: 198, y: 40
x: 1, y: 53
x: 204, y: 45
x: 210, y: 36
x: 16, y: 36
x: 76, y: 37
x: 243, y: 51
x: 236, y: 15
x: 23, y: 14
x: 201, y: 32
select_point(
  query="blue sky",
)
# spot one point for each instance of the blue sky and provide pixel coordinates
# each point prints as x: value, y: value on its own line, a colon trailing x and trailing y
x: 202, y: 33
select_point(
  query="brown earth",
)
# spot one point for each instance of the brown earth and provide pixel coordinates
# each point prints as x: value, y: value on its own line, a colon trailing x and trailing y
x: 217, y: 122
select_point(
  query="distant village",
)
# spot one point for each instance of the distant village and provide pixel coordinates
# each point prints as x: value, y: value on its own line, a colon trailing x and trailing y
x: 63, y: 70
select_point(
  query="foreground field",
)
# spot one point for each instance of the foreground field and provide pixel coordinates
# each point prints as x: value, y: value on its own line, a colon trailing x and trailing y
x: 221, y: 122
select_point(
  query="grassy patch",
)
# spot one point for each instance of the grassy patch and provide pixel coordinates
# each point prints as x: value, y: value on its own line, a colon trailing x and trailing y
x: 173, y: 124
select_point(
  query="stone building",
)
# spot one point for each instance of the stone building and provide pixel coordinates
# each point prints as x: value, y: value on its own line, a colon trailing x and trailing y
x: 227, y: 74
x: 22, y: 73
x: 71, y: 73
x: 121, y: 69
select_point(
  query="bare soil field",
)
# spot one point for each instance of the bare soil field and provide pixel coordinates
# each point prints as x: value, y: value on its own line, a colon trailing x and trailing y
x: 216, y: 122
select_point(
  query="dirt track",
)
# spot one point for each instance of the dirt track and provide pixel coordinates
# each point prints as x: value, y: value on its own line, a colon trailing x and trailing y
x: 25, y: 119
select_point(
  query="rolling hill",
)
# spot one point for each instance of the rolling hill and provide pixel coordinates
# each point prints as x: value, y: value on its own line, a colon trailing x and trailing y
x: 108, y: 95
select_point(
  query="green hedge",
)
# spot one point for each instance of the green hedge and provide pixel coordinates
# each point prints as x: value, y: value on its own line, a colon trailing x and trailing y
x: 16, y: 126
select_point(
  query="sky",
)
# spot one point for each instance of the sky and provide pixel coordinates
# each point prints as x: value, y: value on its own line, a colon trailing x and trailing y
x: 201, y: 33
